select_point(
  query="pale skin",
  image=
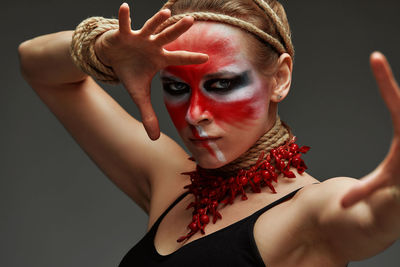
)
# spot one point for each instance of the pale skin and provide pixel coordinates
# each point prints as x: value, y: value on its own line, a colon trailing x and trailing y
x: 330, y: 223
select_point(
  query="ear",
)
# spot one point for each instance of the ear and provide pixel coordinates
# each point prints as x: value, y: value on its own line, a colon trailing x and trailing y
x: 282, y: 77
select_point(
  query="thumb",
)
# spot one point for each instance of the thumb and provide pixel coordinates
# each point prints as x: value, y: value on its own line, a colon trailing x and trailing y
x: 363, y: 189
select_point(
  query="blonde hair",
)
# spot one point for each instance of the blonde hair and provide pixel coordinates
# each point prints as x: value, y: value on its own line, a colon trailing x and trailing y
x: 266, y: 20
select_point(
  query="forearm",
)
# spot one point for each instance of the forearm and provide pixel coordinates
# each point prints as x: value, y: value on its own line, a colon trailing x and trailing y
x: 46, y: 60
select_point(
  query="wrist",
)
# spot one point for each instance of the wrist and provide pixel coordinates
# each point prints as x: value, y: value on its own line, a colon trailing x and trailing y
x: 83, y: 48
x: 99, y: 49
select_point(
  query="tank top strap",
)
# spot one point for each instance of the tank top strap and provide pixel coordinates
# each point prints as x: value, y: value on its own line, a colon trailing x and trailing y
x: 158, y: 221
x: 276, y: 203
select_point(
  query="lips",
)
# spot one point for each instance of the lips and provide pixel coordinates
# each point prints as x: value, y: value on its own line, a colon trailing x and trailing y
x: 200, y: 138
x: 203, y: 140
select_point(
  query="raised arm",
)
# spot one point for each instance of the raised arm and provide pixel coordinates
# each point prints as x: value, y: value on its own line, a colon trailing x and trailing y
x: 360, y: 218
x: 112, y: 138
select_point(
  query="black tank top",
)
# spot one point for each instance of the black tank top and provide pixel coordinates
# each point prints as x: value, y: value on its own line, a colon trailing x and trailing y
x: 232, y: 246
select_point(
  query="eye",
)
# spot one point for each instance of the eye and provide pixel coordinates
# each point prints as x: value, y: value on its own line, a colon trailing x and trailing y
x: 176, y: 88
x: 221, y: 85
x: 227, y: 85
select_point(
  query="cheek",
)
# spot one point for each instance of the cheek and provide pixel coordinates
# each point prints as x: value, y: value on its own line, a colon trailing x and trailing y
x: 241, y: 112
x: 177, y: 114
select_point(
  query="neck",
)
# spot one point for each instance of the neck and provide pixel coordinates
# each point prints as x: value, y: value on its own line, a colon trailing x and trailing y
x: 278, y: 135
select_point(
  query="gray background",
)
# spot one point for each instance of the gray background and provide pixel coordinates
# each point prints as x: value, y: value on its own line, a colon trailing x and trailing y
x: 58, y: 209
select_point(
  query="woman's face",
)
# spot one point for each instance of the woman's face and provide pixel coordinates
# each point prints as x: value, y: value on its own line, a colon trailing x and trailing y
x: 220, y: 108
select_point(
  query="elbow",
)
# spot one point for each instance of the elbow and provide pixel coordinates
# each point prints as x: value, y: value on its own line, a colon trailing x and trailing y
x: 26, y: 55
x: 23, y: 55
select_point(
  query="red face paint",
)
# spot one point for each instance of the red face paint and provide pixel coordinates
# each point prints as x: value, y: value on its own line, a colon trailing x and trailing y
x: 222, y: 53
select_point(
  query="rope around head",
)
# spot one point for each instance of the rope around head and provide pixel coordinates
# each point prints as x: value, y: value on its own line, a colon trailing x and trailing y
x: 208, y: 16
x: 287, y: 47
x: 283, y: 32
x: 86, y: 33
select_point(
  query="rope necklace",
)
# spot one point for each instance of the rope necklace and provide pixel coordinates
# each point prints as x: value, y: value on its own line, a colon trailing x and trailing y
x: 212, y: 188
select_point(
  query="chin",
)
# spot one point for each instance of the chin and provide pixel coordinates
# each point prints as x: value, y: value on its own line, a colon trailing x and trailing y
x: 209, y: 162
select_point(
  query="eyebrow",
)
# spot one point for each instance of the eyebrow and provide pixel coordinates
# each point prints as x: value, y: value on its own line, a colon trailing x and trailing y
x: 223, y: 73
x: 170, y: 78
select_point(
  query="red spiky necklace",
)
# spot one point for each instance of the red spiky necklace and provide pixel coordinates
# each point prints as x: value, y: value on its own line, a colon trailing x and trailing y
x: 210, y: 190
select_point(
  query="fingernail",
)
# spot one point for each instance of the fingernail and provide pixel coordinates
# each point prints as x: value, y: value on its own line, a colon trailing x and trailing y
x: 155, y: 137
x: 168, y: 10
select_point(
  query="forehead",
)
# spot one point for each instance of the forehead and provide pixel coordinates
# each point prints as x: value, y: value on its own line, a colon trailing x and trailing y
x: 223, y: 44
x: 208, y: 37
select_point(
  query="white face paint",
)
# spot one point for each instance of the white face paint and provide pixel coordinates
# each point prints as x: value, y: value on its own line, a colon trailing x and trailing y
x: 212, y: 145
x: 235, y: 82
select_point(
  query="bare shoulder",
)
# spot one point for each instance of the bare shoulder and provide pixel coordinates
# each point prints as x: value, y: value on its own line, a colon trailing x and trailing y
x: 317, y: 199
x: 290, y: 234
x: 334, y: 183
x: 326, y: 190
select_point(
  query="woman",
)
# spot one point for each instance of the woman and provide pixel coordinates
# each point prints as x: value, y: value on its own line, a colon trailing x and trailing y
x: 222, y: 97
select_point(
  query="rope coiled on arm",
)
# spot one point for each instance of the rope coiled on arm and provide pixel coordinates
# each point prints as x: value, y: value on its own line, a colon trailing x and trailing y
x: 82, y: 48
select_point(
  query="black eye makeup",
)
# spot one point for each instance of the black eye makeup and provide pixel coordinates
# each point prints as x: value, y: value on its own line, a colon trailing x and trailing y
x: 173, y: 87
x: 227, y: 85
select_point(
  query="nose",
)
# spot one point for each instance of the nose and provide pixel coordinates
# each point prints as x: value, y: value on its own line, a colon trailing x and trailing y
x: 197, y: 112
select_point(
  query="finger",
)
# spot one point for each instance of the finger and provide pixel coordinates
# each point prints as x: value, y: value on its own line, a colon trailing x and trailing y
x: 173, y: 32
x: 152, y: 24
x: 387, y: 84
x: 124, y: 19
x: 362, y: 190
x: 185, y: 58
x: 149, y: 118
x: 382, y: 71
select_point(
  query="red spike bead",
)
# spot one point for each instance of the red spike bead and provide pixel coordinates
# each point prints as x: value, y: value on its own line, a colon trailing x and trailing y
x: 271, y: 168
x: 266, y: 175
x: 193, y: 227
x: 257, y: 179
x: 294, y: 148
x: 244, y: 180
x: 281, y: 164
x: 204, y: 219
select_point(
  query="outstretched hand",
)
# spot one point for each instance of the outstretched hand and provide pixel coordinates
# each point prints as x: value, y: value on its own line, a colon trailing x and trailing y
x: 388, y: 172
x: 136, y: 56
